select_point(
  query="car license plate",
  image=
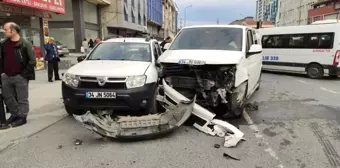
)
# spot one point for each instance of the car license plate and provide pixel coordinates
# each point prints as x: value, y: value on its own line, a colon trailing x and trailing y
x: 100, y: 95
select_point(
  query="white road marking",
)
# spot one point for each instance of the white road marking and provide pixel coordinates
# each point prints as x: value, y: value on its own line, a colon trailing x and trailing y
x: 327, y: 90
x: 256, y: 130
x: 301, y: 81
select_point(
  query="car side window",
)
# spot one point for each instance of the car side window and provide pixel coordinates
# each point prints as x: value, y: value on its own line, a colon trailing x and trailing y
x: 158, y: 48
x: 155, y: 52
x: 250, y: 39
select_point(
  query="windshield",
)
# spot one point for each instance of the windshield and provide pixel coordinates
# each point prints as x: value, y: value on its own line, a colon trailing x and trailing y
x: 121, y: 51
x: 209, y: 38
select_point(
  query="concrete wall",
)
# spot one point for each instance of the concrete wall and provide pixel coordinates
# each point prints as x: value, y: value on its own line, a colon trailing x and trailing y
x: 293, y: 12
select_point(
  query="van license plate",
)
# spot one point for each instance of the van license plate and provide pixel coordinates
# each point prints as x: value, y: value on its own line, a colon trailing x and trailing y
x: 100, y: 95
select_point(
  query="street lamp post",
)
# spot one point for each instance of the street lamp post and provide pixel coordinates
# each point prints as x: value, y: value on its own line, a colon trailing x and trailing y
x: 185, y: 14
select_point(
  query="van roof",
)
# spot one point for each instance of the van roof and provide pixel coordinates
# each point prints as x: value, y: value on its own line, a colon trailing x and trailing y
x: 314, y: 28
x: 130, y: 40
x: 216, y: 26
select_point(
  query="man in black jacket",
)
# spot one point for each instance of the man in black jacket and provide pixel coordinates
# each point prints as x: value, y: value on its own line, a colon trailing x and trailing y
x: 167, y: 40
x: 17, y: 62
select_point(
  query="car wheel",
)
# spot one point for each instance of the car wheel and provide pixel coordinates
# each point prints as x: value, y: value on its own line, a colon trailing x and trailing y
x: 235, y: 110
x: 71, y: 111
x: 315, y: 71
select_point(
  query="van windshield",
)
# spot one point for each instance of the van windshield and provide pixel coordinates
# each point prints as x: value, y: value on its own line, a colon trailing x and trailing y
x: 121, y: 51
x: 209, y: 38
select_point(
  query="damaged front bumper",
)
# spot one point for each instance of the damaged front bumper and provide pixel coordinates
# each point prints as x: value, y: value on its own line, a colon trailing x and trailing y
x: 178, y: 110
x: 131, y: 127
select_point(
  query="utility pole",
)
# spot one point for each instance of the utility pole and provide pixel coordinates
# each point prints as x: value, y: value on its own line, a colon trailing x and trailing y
x: 185, y: 14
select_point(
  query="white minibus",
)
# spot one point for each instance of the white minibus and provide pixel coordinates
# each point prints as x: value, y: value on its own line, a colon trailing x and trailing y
x: 310, y: 49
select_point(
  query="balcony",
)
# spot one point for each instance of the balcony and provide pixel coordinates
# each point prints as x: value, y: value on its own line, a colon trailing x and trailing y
x: 324, y: 8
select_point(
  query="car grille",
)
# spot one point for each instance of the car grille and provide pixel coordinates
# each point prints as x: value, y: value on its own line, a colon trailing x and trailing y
x: 95, y: 85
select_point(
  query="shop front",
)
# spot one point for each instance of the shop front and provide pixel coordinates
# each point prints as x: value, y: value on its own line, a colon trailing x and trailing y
x: 30, y: 15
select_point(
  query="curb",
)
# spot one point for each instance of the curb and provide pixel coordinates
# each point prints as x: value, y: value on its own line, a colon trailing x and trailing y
x: 14, y: 142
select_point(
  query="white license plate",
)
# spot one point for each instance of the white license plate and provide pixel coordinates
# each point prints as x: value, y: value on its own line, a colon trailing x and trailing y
x: 100, y: 95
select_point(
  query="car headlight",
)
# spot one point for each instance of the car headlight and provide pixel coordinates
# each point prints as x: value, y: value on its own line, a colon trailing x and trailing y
x: 135, y: 81
x: 71, y: 80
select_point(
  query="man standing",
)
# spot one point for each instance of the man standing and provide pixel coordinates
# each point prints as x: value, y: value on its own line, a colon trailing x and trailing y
x: 17, y: 60
x: 167, y: 40
x: 52, y: 57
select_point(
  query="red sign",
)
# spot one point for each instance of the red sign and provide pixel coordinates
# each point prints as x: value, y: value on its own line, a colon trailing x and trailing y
x: 57, y: 6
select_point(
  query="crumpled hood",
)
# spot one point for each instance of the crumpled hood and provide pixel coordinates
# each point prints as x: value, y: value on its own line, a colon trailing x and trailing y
x: 109, y: 68
x: 209, y: 56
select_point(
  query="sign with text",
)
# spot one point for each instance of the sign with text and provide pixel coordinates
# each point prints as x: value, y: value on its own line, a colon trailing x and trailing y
x: 57, y: 6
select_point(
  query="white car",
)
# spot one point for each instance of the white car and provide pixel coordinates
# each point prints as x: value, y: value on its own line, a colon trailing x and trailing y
x: 119, y: 73
x: 219, y: 64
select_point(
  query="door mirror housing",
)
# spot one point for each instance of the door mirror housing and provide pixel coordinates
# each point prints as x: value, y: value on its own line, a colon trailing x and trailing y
x: 255, y: 49
x: 81, y: 58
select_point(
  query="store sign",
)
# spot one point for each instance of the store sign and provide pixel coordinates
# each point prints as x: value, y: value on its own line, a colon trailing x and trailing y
x: 23, y: 10
x: 57, y: 6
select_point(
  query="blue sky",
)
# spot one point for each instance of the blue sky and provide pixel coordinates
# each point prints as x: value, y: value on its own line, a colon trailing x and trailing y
x: 207, y: 11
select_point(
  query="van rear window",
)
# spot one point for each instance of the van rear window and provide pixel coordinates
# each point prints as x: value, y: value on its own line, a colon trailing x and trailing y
x: 299, y: 41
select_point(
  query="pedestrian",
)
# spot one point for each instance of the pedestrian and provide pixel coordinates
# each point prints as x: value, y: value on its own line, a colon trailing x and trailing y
x: 167, y: 40
x: 85, y: 45
x: 52, y: 57
x: 17, y: 68
x: 91, y: 44
x: 97, y: 41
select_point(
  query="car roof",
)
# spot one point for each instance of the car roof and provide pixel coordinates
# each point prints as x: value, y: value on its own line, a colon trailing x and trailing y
x: 216, y: 26
x: 130, y: 40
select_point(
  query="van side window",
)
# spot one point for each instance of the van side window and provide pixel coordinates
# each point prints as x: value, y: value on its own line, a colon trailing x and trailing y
x: 250, y: 40
x: 295, y: 41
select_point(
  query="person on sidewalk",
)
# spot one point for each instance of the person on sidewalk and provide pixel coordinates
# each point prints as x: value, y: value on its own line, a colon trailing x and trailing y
x: 167, y: 40
x: 85, y: 45
x: 52, y: 57
x: 17, y: 62
x: 91, y: 44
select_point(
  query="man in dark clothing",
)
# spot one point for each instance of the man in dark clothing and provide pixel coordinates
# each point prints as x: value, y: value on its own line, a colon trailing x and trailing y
x: 167, y: 40
x: 52, y: 57
x: 17, y: 62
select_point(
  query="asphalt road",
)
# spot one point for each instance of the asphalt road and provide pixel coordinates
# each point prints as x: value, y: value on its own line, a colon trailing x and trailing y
x: 296, y: 126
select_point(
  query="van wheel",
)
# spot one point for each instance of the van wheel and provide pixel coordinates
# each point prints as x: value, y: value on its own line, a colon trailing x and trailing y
x: 315, y: 71
x: 71, y: 111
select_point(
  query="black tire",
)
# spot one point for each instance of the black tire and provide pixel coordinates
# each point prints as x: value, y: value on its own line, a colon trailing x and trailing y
x: 152, y: 107
x: 315, y: 71
x: 74, y: 111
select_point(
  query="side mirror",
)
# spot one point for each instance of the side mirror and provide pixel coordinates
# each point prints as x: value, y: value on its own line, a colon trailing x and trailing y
x: 166, y: 46
x: 81, y: 58
x: 255, y: 49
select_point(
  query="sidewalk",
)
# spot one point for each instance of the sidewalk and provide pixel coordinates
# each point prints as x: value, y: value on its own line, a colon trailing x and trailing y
x: 46, y: 108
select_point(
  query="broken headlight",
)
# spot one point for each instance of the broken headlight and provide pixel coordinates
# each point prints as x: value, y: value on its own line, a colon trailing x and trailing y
x: 71, y: 80
x: 135, y: 81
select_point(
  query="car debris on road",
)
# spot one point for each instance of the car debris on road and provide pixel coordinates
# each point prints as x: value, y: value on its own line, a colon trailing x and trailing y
x: 178, y: 110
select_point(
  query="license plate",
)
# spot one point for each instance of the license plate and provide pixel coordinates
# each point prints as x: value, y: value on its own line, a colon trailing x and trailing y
x: 100, y: 95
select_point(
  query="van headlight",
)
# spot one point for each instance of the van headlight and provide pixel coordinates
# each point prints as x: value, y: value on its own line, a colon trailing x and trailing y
x: 71, y: 80
x: 135, y: 81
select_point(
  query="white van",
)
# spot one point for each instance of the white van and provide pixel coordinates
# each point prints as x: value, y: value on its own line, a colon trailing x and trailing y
x: 311, y: 49
x: 118, y: 73
x: 221, y: 64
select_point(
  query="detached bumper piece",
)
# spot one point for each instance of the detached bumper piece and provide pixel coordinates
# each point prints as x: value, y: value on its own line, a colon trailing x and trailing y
x: 178, y: 110
x: 141, y: 127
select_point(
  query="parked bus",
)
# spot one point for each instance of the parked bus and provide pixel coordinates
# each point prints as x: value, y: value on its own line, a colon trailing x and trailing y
x: 310, y: 49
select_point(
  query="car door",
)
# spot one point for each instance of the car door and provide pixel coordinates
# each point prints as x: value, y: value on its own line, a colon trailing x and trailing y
x: 254, y: 61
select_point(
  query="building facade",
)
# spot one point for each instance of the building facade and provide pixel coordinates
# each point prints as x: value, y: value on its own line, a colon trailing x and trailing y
x: 326, y: 10
x: 32, y: 18
x: 169, y: 17
x: 155, y: 18
x: 293, y: 12
x: 127, y: 18
x: 266, y: 10
x: 81, y: 21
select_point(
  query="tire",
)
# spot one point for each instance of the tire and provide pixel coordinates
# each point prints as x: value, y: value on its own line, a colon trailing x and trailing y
x: 334, y: 76
x: 152, y: 107
x: 74, y: 111
x: 315, y: 71
x: 236, y: 112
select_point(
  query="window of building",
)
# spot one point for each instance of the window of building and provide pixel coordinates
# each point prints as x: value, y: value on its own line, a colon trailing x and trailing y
x: 133, y: 16
x: 126, y: 16
x: 306, y: 41
x: 139, y: 19
x: 133, y: 3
